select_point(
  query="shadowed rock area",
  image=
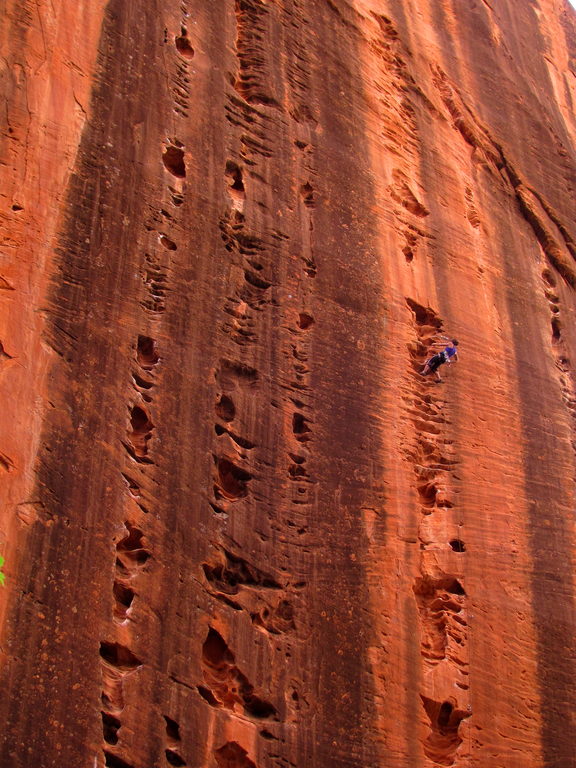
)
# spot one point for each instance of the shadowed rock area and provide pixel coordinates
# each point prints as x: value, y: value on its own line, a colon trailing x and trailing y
x: 239, y: 528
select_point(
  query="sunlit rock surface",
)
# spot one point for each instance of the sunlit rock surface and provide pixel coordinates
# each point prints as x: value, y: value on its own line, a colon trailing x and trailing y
x: 240, y: 530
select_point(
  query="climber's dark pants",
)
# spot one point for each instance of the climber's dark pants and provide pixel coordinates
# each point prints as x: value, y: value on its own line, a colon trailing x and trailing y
x: 436, y: 362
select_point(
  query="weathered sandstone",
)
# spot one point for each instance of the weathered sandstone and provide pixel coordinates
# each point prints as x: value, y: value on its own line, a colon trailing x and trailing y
x: 240, y: 529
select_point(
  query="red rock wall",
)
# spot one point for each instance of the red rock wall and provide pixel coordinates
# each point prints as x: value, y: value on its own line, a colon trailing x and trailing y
x: 240, y: 529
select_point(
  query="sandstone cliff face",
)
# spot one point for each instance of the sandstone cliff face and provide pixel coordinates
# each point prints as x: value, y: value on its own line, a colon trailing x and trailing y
x: 239, y: 528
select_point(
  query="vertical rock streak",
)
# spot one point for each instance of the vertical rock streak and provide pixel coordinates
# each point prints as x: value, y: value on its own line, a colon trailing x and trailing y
x: 555, y: 661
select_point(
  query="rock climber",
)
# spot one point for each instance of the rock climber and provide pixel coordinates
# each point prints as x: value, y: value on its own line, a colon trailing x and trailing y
x: 445, y: 356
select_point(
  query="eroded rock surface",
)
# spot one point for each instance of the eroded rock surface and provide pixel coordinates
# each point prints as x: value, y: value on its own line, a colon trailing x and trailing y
x: 240, y: 529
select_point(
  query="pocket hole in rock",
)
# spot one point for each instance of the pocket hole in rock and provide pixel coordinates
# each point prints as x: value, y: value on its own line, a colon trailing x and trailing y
x: 297, y: 470
x: 235, y: 572
x: 259, y: 708
x: 142, y: 383
x: 110, y: 725
x: 556, y: 327
x: 170, y: 245
x: 232, y: 374
x: 455, y: 587
x: 215, y: 651
x: 231, y: 755
x: 173, y: 758
x: 172, y: 729
x: 444, y: 715
x: 215, y: 508
x: 173, y: 159
x: 428, y: 587
x: 133, y: 486
x: 141, y: 431
x: 234, y: 180
x: 121, y: 569
x: 225, y: 408
x: 444, y: 739
x: 208, y: 696
x: 232, y: 479
x: 119, y: 656
x: 256, y: 281
x: 242, y: 441
x: 305, y: 321
x: 184, y: 47
x: 133, y: 541
x: 124, y: 597
x: 300, y: 427
x: 424, y: 316
x: 232, y: 684
x: 113, y: 761
x: 131, y: 548
x: 146, y: 352
x: 310, y: 268
x: 458, y: 545
x: 307, y: 193
x: 427, y: 493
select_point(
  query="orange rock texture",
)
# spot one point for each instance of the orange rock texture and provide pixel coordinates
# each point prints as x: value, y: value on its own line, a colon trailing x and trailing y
x: 240, y: 529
